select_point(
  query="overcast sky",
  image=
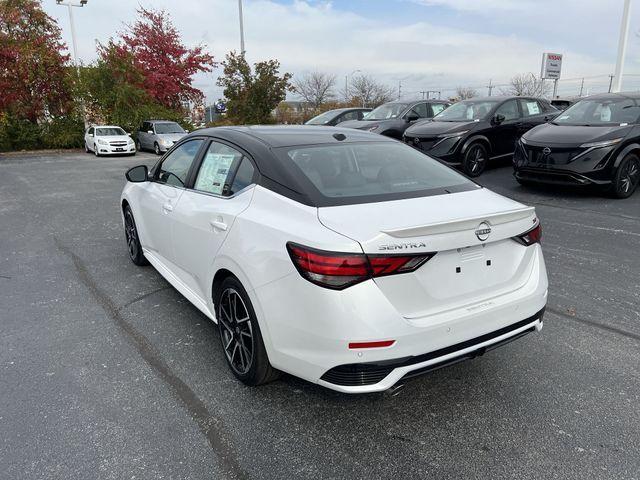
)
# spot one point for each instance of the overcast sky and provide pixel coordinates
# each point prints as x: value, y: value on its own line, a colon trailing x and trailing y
x: 425, y: 44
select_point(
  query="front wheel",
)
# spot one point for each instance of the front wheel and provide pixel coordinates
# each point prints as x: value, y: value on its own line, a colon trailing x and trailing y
x: 241, y: 337
x: 156, y: 148
x: 138, y: 146
x: 95, y: 150
x: 475, y: 159
x: 86, y: 148
x: 626, y: 177
x: 133, y: 239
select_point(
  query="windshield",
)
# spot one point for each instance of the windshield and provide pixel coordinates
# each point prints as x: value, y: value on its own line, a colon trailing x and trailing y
x: 169, y: 127
x: 108, y: 132
x: 321, y: 119
x: 466, y: 111
x: 600, y: 112
x: 386, y: 111
x: 378, y: 170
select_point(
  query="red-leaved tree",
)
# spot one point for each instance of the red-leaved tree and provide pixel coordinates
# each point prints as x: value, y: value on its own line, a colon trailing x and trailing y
x: 34, y: 76
x: 165, y: 63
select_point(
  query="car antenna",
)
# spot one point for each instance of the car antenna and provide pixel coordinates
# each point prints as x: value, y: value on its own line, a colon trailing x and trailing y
x: 339, y: 136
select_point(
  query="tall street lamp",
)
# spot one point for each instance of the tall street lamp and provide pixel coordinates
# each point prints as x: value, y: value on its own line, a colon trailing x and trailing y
x: 346, y: 85
x: 241, y: 27
x: 70, y: 5
x: 622, y: 46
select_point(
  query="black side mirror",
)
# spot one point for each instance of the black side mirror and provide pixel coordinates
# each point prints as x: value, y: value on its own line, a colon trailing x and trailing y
x: 137, y: 174
x: 498, y: 118
x: 412, y: 117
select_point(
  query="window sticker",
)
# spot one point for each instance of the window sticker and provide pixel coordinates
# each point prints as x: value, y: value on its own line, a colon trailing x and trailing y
x: 214, y: 172
x: 533, y: 108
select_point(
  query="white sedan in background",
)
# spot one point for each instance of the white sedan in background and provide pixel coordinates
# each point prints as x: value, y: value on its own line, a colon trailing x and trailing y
x: 342, y: 257
x: 108, y: 140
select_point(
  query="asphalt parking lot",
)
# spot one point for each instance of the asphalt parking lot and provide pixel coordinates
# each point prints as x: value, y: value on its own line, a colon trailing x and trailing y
x: 106, y: 372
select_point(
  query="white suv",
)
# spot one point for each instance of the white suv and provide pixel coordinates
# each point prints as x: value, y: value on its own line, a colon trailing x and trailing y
x: 108, y: 140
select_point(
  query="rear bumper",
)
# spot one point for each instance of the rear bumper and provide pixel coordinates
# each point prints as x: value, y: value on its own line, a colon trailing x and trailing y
x: 368, y: 377
x: 307, y: 330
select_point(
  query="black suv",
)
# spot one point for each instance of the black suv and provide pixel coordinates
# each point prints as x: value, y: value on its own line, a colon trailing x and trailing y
x: 392, y: 119
x: 594, y: 142
x: 472, y: 132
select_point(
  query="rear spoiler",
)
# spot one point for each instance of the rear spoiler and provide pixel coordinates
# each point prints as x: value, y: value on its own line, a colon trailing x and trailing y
x: 462, y: 224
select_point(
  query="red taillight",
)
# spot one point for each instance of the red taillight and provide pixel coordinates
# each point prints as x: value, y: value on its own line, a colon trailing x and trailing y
x: 380, y: 344
x: 341, y: 270
x: 532, y: 236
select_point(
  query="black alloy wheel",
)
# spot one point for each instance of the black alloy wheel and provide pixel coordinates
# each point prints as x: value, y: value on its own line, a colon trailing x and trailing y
x: 133, y: 239
x: 241, y: 337
x: 475, y: 160
x: 627, y: 177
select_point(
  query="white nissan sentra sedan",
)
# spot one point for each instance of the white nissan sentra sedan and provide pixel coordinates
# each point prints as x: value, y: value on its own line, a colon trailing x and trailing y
x: 342, y: 257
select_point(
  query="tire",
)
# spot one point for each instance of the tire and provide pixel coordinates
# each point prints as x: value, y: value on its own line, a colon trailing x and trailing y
x: 525, y: 183
x: 626, y: 177
x: 133, y: 239
x: 138, y: 146
x: 475, y: 159
x: 238, y: 326
x: 86, y: 148
x: 156, y: 148
x: 95, y: 150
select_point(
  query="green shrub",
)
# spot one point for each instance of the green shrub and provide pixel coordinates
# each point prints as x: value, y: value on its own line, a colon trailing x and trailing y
x: 16, y: 134
x: 64, y: 132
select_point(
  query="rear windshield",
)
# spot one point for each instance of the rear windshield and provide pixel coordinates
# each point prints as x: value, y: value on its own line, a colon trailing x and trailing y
x: 369, y: 172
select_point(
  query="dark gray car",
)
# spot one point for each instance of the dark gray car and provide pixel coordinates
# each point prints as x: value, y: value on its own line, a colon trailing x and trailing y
x: 393, y: 118
x: 159, y: 135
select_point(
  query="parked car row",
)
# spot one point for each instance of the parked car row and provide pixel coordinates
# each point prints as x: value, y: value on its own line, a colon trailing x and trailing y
x: 593, y: 141
x: 155, y: 135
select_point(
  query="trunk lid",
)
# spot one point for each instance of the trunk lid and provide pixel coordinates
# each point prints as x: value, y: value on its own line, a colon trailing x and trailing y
x: 470, y: 231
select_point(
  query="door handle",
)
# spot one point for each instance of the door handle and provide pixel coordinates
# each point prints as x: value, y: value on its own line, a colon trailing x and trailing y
x: 167, y: 208
x: 219, y: 225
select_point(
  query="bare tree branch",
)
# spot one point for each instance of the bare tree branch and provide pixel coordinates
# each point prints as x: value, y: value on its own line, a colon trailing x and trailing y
x: 315, y: 88
x: 364, y: 90
x: 466, y: 92
x: 527, y: 84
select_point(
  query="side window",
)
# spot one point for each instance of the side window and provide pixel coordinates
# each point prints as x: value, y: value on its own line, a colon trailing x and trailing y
x: 244, y: 176
x: 509, y: 109
x: 216, y: 168
x: 361, y: 114
x: 91, y: 131
x: 530, y: 107
x: 353, y: 115
x: 422, y: 109
x: 436, y: 108
x: 174, y: 169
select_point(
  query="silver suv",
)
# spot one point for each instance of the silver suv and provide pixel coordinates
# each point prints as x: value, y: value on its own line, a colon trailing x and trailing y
x: 159, y: 135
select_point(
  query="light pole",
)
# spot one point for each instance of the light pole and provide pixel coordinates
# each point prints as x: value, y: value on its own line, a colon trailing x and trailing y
x: 241, y: 27
x: 622, y: 46
x: 70, y: 5
x: 346, y: 86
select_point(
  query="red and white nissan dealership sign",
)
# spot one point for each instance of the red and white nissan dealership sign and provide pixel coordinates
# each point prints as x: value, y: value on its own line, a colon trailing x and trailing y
x: 551, y: 65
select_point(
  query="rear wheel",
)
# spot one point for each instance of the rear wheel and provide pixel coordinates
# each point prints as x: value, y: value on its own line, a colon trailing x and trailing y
x: 475, y: 159
x: 626, y: 177
x: 133, y: 239
x: 241, y: 337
